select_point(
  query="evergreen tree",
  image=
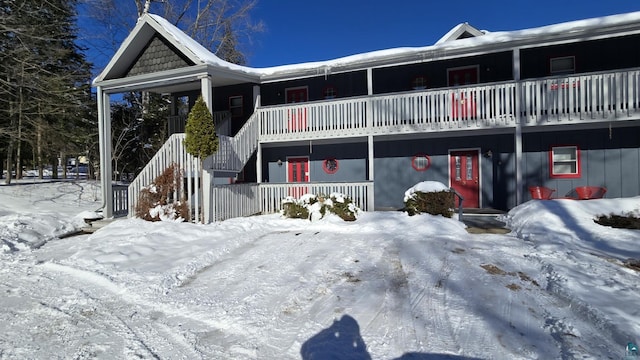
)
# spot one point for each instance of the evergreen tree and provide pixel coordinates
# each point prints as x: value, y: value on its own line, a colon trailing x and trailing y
x: 45, y: 98
x: 201, y: 140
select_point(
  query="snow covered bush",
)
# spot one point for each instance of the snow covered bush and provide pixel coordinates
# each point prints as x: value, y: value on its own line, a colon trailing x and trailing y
x: 429, y: 197
x: 625, y: 221
x: 156, y: 201
x: 315, y: 207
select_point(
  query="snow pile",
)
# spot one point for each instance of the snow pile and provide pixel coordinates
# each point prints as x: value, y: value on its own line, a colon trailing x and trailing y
x: 59, y: 212
x: 424, y: 187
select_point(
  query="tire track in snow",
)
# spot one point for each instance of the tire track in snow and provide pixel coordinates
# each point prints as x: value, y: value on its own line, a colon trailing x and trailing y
x: 430, y: 307
x: 401, y: 329
x: 126, y: 301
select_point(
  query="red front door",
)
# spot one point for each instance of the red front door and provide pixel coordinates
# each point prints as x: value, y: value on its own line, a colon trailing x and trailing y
x: 465, y: 176
x: 298, y: 116
x: 298, y: 172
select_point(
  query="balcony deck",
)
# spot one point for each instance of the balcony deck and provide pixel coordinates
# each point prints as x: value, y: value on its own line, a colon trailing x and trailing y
x: 594, y: 97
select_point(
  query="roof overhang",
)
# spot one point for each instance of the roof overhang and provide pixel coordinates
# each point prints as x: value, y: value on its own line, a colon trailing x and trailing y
x: 223, y: 73
x: 491, y: 42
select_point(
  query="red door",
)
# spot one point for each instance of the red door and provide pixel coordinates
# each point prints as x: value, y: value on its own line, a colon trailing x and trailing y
x: 298, y: 116
x: 465, y: 176
x: 462, y: 105
x: 298, y: 172
x: 463, y: 76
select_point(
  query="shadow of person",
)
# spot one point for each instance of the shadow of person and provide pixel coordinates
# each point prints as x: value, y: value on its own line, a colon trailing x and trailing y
x: 341, y: 340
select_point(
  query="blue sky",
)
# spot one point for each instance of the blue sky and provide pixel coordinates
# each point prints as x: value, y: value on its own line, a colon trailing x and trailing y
x: 310, y: 30
x: 302, y: 31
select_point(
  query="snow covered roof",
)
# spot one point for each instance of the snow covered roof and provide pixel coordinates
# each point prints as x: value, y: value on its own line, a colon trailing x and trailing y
x: 479, y: 42
x: 461, y: 31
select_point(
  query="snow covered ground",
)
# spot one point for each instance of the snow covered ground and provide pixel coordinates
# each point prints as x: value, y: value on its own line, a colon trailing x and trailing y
x: 387, y: 286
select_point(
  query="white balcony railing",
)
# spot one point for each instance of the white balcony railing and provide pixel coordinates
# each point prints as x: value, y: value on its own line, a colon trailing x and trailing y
x: 237, y: 200
x: 554, y: 100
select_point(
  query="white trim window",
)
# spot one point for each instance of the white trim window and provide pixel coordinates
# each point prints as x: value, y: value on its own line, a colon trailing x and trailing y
x: 565, y: 162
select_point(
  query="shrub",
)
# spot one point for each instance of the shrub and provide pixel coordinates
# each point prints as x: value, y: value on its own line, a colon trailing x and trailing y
x: 628, y: 221
x: 314, y: 207
x: 156, y: 201
x: 434, y: 203
x: 200, y: 140
x: 294, y: 210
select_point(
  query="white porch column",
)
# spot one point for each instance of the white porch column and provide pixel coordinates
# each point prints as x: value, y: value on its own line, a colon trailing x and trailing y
x: 371, y: 158
x: 518, y: 130
x: 256, y: 105
x: 369, y: 111
x: 206, y: 89
x: 104, y: 134
x: 256, y: 97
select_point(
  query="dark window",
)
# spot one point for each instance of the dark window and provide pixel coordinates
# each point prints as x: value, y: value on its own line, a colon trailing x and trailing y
x: 235, y: 106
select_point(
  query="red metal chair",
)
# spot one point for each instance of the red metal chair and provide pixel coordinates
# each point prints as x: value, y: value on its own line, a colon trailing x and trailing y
x: 541, y: 192
x: 590, y: 192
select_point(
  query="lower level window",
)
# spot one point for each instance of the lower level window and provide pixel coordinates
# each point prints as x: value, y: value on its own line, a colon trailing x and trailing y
x: 330, y: 166
x: 564, y: 162
x: 421, y: 162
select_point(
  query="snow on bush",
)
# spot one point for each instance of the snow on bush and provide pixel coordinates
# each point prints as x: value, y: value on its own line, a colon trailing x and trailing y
x: 315, y: 207
x: 430, y: 197
x: 156, y: 202
x: 424, y: 187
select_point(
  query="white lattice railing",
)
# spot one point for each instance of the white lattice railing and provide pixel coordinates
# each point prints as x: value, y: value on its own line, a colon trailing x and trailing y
x: 172, y: 152
x: 237, y: 200
x: 234, y: 152
x: 590, y: 97
x: 221, y: 120
x: 601, y: 96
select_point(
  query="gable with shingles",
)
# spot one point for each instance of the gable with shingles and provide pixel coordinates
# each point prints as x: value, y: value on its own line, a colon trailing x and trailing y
x: 158, y: 55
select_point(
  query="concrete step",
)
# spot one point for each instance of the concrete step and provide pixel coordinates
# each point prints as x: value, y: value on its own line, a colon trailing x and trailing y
x: 94, y: 225
x: 484, y: 224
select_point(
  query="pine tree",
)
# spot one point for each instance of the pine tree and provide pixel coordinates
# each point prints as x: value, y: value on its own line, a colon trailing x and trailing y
x: 201, y: 140
x: 44, y: 92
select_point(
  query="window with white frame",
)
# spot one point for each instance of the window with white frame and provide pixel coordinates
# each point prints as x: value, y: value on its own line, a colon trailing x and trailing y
x: 564, y: 162
x: 562, y: 65
x: 235, y: 106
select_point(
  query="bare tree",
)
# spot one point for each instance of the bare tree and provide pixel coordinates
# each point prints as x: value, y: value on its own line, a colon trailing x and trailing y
x: 210, y: 22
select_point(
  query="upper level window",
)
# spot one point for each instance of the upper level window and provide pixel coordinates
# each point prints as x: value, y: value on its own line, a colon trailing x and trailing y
x: 330, y: 92
x: 419, y: 83
x: 562, y: 65
x: 564, y: 162
x: 235, y: 106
